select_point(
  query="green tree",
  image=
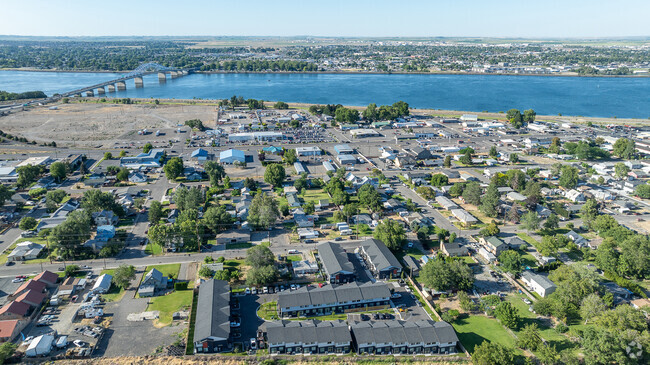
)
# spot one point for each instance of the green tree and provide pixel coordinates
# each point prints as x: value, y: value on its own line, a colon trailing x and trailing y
x: 7, y: 350
x: 529, y: 116
x: 530, y: 221
x: 391, y: 233
x: 529, y: 338
x: 490, y: 201
x: 5, y: 194
x: 426, y: 192
x: 552, y: 222
x: 447, y: 161
x: 589, y: 211
x: 370, y: 198
x: 215, y: 172
x: 439, y: 180
x: 569, y: 177
x: 108, y: 156
x: 147, y: 147
x: 515, y: 118
x: 262, y: 275
x: 447, y: 274
x: 465, y: 302
x: 492, y: 353
x: 259, y: 256
x: 371, y: 114
x: 71, y: 270
x: 217, y: 219
x: 624, y: 148
x: 493, y: 152
x: 621, y: 170
x: 206, y: 272
x: 222, y: 275
x: 290, y: 156
x: 59, y: 171
x: 274, y: 175
x: 28, y: 224
x: 123, y: 174
x: 123, y: 276
x: 173, y: 168
x: 345, y: 115
x: 67, y: 237
x: 643, y: 191
x: 591, y: 307
x: 27, y: 174
x: 263, y: 211
x: 514, y: 158
x: 155, y: 212
x: 507, y: 314
x: 189, y: 198
x: 281, y: 105
x: 466, y: 158
x: 472, y: 193
x: 95, y: 200
x: 510, y: 261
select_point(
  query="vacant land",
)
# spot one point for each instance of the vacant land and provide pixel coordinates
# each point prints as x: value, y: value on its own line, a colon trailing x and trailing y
x: 474, y: 329
x: 168, y: 304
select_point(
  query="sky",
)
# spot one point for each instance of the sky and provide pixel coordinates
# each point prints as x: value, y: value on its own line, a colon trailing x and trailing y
x: 341, y: 18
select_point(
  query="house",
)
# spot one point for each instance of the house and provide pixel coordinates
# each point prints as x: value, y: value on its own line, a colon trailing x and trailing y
x: 137, y: 177
x: 446, y: 203
x: 308, y: 151
x: 575, y: 196
x: 361, y: 219
x: 9, y: 329
x: 642, y: 304
x: 31, y: 297
x: 14, y: 310
x: 212, y: 329
x: 336, y: 265
x: 413, y: 265
x: 102, y: 284
x: 392, y: 204
x: 234, y: 236
x: 25, y: 251
x: 68, y: 286
x: 322, y: 204
x: 487, y: 255
x: 304, y: 267
x: 621, y: 295
x: 453, y: 249
x: 494, y: 244
x: 232, y: 156
x: 464, y: 217
x: 576, y: 238
x: 515, y: 196
x: 421, y: 153
x: 379, y: 259
x: 515, y: 243
x: 292, y: 200
x: 396, y: 337
x: 105, y: 233
x: 308, y: 337
x: 303, y: 220
x: 307, y: 233
x: 105, y: 217
x: 36, y: 286
x: 154, y: 280
x: 47, y: 277
x: 538, y: 283
x: 404, y: 161
x: 150, y: 159
x: 351, y: 297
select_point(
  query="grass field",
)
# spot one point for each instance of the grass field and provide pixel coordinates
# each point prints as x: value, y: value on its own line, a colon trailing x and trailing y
x: 115, y: 293
x: 166, y: 269
x: 294, y: 258
x: 170, y: 303
x: 473, y: 330
x: 268, y: 311
x: 153, y: 249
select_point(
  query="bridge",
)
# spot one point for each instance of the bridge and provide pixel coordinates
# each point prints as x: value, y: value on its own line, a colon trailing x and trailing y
x: 119, y: 84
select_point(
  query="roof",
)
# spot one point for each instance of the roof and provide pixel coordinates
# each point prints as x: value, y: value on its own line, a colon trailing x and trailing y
x: 380, y: 256
x: 47, y: 277
x: 308, y: 149
x: 334, y: 258
x: 7, y: 328
x: 37, y: 286
x: 463, y: 215
x: 104, y: 281
x: 445, y: 202
x: 542, y: 281
x: 495, y: 242
x: 330, y: 294
x: 155, y: 274
x: 199, y: 152
x: 14, y: 307
x: 453, y: 248
x: 214, y: 306
x: 31, y: 296
x: 313, y: 331
x: 272, y: 149
x: 402, y: 332
x: 232, y: 153
x: 343, y: 148
x: 410, y: 262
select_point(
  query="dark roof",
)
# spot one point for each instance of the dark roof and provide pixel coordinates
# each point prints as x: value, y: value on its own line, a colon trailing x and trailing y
x: 379, y: 254
x: 36, y: 286
x: 410, y: 262
x: 334, y: 258
x: 401, y: 332
x: 18, y: 308
x: 453, y: 248
x: 330, y: 294
x: 47, y: 277
x: 307, y: 332
x: 214, y: 311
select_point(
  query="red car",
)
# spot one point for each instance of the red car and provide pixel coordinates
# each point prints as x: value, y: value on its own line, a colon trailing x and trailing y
x: 21, y: 277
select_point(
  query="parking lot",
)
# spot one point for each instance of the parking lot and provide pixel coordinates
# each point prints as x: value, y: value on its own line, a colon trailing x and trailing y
x: 487, y: 282
x: 7, y: 287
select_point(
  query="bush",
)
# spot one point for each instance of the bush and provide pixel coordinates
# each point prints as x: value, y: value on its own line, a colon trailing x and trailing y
x: 561, y: 328
x: 34, y: 193
x: 180, y: 285
x: 220, y: 259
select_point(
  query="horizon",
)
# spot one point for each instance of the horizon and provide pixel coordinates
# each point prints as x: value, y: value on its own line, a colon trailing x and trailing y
x: 579, y: 19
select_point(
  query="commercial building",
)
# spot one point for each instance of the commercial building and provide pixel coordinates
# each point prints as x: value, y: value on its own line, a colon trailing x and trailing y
x: 346, y: 159
x: 329, y: 166
x: 231, y: 156
x: 300, y: 168
x: 144, y: 160
x: 308, y: 337
x: 308, y: 151
x: 258, y: 136
x: 538, y: 283
x: 379, y: 259
x: 351, y: 297
x: 337, y: 268
x: 400, y: 337
x: 343, y: 149
x: 212, y: 326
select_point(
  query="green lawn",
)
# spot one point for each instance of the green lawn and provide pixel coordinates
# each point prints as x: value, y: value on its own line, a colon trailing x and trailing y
x: 294, y: 258
x: 170, y: 303
x: 153, y: 249
x: 530, y: 240
x: 165, y: 269
x: 528, y: 260
x: 115, y: 293
x: 235, y: 246
x: 315, y: 195
x: 474, y: 329
x: 268, y: 311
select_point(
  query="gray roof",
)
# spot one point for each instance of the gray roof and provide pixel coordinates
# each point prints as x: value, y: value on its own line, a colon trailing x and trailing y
x: 401, y: 332
x: 379, y: 254
x: 331, y: 294
x: 155, y: 274
x: 542, y: 281
x: 307, y: 332
x: 410, y: 262
x: 214, y: 310
x: 334, y: 258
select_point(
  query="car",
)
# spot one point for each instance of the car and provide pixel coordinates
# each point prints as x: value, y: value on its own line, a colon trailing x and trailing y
x: 86, y: 267
x: 293, y: 252
x: 265, y: 290
x: 410, y: 245
x: 17, y: 280
x: 338, y: 239
x: 396, y: 296
x: 293, y: 286
x: 235, y: 324
x: 79, y: 343
x: 253, y: 343
x: 526, y: 301
x: 254, y: 291
x: 9, y: 263
x: 247, y: 291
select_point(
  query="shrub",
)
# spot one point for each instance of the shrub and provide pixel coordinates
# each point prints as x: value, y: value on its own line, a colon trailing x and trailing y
x: 180, y: 285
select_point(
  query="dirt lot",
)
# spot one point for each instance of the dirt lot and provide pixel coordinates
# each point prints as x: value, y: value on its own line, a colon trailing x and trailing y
x: 88, y: 124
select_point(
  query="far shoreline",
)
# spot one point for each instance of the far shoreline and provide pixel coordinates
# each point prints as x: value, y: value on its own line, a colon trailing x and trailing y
x: 568, y: 74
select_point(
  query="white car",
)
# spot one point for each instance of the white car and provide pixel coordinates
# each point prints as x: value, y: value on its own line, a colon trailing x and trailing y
x: 17, y: 280
x: 247, y: 291
x: 396, y: 296
x: 253, y: 344
x: 254, y: 291
x: 79, y: 343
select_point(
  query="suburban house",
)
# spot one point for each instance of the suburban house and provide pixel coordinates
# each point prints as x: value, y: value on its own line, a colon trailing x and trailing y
x: 405, y: 161
x: 337, y: 268
x: 446, y: 203
x: 212, y: 330
x: 304, y: 267
x: 25, y: 251
x: 402, y: 337
x: 102, y: 284
x: 14, y: 310
x: 577, y: 239
x: 453, y: 249
x: 234, y: 236
x: 105, y: 217
x: 413, y: 265
x: 137, y: 177
x: 351, y: 297
x: 307, y: 233
x: 379, y: 259
x: 308, y: 337
x: 153, y: 281
x: 494, y: 244
x: 538, y: 283
x: 464, y: 217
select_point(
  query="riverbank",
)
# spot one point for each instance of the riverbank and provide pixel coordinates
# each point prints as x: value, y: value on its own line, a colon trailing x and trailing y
x: 347, y: 72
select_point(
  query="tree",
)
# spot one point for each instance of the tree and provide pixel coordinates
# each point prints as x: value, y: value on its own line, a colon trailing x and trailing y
x: 173, y: 168
x: 262, y: 275
x: 589, y: 211
x: 513, y: 213
x: 529, y: 337
x: 447, y: 274
x: 510, y: 261
x: 189, y: 198
x: 569, y: 176
x: 206, y: 272
x: 28, y: 224
x: 215, y: 172
x: 345, y: 115
x: 274, y: 174
x: 472, y: 193
x: 391, y: 233
x: 370, y: 198
x: 7, y: 350
x: 493, y: 152
x: 492, y: 353
x: 68, y: 236
x: 58, y: 170
x: 643, y: 191
x: 222, y: 275
x: 217, y: 219
x: 465, y: 302
x: 515, y: 118
x: 123, y: 174
x: 309, y: 207
x: 5, y: 194
x: 108, y: 156
x: 439, y: 180
x: 196, y: 124
x: 447, y: 161
x: 490, y: 230
x: 530, y: 221
x: 621, y: 170
x: 624, y: 148
x: 280, y: 105
x: 466, y: 158
x: 507, y: 314
x: 123, y: 276
x: 155, y: 212
x: 529, y: 116
x: 514, y: 158
x: 371, y: 114
x: 490, y: 201
x: 552, y: 222
x: 27, y: 174
x: 263, y: 211
x: 95, y: 200
x: 71, y: 270
x: 147, y: 147
x: 426, y: 192
x: 290, y: 156
x: 250, y: 184
x: 591, y: 307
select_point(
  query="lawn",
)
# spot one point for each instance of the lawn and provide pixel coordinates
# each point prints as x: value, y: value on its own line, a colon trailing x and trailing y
x: 115, y: 293
x: 168, y: 304
x: 530, y: 240
x: 268, y: 311
x: 39, y: 240
x: 528, y: 260
x: 153, y: 249
x: 294, y: 258
x: 235, y: 246
x: 166, y: 269
x: 474, y: 329
x: 315, y: 195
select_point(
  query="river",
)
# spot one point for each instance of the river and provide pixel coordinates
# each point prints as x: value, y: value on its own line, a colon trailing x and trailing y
x: 627, y: 97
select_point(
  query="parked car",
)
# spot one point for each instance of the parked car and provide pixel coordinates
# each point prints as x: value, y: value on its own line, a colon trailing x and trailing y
x: 235, y: 324
x: 247, y: 291
x: 254, y: 291
x: 396, y: 296
x: 253, y: 343
x: 79, y: 343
